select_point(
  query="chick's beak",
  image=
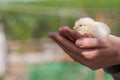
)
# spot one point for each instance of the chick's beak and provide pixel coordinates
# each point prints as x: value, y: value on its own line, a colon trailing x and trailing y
x: 75, y: 27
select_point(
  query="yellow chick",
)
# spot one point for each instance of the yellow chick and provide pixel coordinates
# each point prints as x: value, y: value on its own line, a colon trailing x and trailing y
x: 88, y: 25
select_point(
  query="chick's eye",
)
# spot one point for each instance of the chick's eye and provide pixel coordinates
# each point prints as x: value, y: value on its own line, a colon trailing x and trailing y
x: 80, y: 25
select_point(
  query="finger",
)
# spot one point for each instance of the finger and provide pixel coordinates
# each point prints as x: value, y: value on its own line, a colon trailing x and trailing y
x: 87, y: 35
x: 91, y: 43
x: 71, y: 54
x: 67, y: 44
x: 75, y: 57
x: 76, y: 34
x: 67, y: 33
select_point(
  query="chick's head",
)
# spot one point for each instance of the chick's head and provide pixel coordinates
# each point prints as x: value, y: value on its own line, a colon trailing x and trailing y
x: 83, y: 25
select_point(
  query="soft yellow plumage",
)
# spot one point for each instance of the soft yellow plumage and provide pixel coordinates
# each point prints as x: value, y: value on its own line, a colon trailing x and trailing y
x: 88, y: 25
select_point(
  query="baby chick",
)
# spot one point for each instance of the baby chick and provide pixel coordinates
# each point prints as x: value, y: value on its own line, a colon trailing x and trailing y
x: 89, y: 26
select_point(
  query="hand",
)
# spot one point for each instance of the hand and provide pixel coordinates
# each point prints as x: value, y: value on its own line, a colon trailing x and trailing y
x: 105, y: 51
x: 94, y: 53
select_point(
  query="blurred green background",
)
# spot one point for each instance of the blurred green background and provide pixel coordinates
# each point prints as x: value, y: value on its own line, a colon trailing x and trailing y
x: 63, y: 71
x: 31, y: 20
x: 34, y: 19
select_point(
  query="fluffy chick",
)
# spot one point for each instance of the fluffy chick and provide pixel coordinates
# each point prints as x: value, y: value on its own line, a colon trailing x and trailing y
x: 89, y: 26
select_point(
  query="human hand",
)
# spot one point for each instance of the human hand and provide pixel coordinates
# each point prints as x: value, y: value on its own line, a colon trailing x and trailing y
x: 92, y: 52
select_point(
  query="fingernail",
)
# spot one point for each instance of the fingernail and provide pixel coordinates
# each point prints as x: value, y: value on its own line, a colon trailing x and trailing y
x: 79, y: 42
x: 50, y: 35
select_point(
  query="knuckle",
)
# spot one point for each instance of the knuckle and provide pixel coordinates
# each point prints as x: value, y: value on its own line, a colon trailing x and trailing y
x: 88, y: 56
x: 91, y: 56
x: 91, y: 66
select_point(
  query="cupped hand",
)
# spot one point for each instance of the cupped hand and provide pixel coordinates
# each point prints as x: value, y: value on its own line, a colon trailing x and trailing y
x: 92, y: 52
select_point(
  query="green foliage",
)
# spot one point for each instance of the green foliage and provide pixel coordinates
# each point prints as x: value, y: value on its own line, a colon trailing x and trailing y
x: 75, y: 3
x: 36, y: 19
x: 1, y: 78
x: 19, y: 26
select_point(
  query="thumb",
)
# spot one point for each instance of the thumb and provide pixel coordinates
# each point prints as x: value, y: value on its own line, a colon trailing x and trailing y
x: 90, y: 43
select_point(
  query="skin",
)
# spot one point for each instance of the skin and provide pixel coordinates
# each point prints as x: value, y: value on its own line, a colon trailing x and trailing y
x: 95, y: 53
